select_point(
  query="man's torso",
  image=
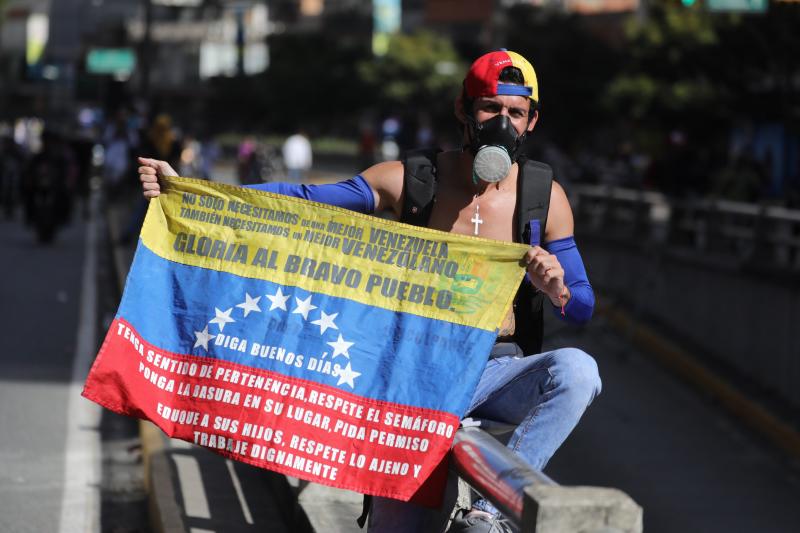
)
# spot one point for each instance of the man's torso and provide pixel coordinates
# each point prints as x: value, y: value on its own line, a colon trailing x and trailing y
x: 456, y: 204
x: 455, y: 207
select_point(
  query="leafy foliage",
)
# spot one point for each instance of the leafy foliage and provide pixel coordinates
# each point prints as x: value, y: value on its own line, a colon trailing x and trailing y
x: 573, y: 67
x: 417, y: 68
x: 695, y: 68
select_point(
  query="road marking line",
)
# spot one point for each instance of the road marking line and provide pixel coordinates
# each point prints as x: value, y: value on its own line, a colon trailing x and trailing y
x: 80, y: 501
x: 672, y: 357
x: 195, y: 502
x: 239, y: 492
x: 179, y: 444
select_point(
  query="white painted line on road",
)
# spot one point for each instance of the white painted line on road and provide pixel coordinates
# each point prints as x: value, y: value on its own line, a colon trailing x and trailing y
x: 195, y: 502
x: 239, y: 492
x: 80, y: 501
x: 198, y: 530
x: 180, y: 444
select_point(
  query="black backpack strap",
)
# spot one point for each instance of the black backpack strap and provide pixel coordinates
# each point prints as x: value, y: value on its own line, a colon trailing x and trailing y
x: 366, y: 507
x: 533, y: 186
x: 534, y: 183
x: 419, y: 186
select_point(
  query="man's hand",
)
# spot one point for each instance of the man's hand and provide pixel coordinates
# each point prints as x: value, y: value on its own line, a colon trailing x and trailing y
x: 149, y: 172
x: 547, y: 275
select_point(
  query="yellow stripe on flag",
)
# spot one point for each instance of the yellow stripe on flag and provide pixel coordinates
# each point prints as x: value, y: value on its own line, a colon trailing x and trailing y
x: 334, y: 251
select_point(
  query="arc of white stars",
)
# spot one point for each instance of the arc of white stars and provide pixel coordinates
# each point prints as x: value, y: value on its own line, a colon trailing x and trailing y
x: 303, y: 306
x: 340, y: 347
x: 202, y: 338
x: 222, y: 318
x: 325, y: 322
x: 278, y: 300
x: 347, y: 375
x: 249, y: 304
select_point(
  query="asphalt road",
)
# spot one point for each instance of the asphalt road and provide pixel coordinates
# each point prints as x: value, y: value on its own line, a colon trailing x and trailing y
x: 692, y: 467
x: 46, y: 323
x: 68, y: 465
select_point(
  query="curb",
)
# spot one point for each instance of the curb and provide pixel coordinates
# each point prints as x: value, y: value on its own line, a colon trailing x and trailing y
x: 165, y: 514
x: 162, y: 501
x: 689, y: 369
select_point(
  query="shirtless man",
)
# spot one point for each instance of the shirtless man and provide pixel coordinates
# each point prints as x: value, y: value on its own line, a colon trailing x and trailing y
x: 544, y: 394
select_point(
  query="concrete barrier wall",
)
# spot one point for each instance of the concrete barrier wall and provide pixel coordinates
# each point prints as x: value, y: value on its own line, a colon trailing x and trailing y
x: 746, y: 320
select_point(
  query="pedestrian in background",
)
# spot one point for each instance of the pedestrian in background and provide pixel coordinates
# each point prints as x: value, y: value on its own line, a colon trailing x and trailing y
x: 297, y: 157
x: 160, y: 139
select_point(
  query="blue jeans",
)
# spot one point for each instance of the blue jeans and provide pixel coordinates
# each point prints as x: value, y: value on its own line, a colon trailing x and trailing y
x: 543, y: 395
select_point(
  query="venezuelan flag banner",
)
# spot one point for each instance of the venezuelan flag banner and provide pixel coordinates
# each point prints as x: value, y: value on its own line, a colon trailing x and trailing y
x: 303, y: 338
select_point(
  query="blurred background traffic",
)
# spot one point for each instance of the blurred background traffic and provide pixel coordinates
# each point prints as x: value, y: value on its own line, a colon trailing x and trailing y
x: 695, y: 98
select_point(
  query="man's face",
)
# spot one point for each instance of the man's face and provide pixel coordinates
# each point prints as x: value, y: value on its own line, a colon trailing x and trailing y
x: 516, y: 108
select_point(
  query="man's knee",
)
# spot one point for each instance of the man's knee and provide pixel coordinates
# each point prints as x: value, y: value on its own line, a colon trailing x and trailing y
x: 576, y: 371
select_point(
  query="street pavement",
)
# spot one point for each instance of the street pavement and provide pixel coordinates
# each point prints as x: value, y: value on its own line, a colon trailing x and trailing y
x: 49, y: 443
x: 692, y: 467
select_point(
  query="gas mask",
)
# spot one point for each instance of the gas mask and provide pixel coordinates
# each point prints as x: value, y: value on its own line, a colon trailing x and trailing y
x: 495, y: 144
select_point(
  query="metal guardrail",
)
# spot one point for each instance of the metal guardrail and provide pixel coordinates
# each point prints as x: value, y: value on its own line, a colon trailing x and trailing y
x: 738, y: 231
x: 532, y: 501
x: 494, y: 471
x: 722, y: 277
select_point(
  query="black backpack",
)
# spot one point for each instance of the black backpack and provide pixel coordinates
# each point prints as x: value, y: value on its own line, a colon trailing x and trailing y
x: 533, y: 201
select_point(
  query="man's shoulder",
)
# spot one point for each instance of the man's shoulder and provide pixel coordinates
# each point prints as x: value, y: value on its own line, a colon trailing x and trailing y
x: 386, y: 181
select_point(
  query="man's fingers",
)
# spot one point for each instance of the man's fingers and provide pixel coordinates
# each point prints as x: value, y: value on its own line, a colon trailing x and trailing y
x: 534, y: 252
x: 541, y: 263
x: 552, y: 274
x: 148, y: 177
x: 162, y: 168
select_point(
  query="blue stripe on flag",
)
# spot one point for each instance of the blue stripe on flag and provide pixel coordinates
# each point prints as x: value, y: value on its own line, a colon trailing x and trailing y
x: 178, y: 308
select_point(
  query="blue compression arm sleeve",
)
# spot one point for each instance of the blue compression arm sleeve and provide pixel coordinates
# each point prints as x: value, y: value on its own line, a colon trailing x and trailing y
x: 354, y: 194
x: 581, y: 304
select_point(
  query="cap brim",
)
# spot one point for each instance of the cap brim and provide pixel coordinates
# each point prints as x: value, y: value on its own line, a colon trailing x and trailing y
x: 508, y: 89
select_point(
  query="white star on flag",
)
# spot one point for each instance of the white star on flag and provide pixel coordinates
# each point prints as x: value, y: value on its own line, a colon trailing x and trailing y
x: 303, y: 306
x: 325, y: 322
x: 278, y: 300
x: 347, y: 375
x: 249, y: 304
x: 202, y: 338
x: 340, y: 347
x: 222, y: 318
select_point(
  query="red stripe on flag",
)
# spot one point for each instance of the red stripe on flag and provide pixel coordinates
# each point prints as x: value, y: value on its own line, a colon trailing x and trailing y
x: 294, y: 426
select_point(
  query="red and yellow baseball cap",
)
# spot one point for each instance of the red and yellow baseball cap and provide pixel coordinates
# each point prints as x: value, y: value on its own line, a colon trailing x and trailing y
x: 483, y: 76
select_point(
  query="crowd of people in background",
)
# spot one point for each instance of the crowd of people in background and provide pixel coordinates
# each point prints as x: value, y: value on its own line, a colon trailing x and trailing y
x: 47, y: 167
x: 43, y: 171
x: 33, y: 152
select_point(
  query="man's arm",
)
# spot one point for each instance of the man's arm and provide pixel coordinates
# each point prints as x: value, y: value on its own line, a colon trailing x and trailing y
x: 557, y: 268
x: 386, y: 181
x: 377, y: 188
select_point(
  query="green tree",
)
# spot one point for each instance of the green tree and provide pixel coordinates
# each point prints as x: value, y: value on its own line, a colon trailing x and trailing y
x: 573, y: 65
x: 417, y: 66
x: 702, y: 71
x: 313, y: 79
x: 420, y: 71
x: 667, y: 76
